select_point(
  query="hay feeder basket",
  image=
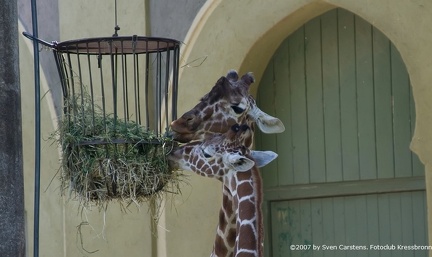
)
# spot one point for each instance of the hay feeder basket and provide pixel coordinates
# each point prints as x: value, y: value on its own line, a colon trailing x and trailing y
x: 119, y: 97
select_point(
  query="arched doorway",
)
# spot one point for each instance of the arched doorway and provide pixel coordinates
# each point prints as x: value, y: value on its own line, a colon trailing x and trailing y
x: 345, y: 174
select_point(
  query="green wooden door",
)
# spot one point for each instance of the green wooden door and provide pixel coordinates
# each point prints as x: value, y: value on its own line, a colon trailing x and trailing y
x: 345, y: 174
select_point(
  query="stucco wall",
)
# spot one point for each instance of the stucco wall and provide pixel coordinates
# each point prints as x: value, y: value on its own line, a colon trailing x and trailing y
x: 244, y: 35
x: 115, y: 232
x: 51, y: 211
x: 172, y: 19
x: 48, y: 30
x: 51, y: 203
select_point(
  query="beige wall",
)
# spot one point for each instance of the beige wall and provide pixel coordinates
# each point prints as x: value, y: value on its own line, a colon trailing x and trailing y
x: 113, y: 233
x: 51, y: 211
x: 82, y: 19
x: 226, y: 34
x: 244, y: 35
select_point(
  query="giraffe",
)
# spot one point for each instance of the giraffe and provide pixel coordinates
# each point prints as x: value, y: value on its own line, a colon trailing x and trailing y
x: 221, y: 157
x: 226, y: 104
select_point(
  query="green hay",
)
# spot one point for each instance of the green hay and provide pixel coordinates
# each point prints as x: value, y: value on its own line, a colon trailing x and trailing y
x: 106, y: 159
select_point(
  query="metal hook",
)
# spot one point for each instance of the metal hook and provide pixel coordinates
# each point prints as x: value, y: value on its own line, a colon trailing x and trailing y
x: 40, y: 41
x: 116, y: 26
x: 134, y: 43
x: 99, y: 58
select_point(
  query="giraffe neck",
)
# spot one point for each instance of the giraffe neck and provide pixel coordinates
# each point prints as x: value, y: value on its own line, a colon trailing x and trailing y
x: 227, y: 236
x: 246, y: 191
x: 226, y: 229
x: 227, y: 226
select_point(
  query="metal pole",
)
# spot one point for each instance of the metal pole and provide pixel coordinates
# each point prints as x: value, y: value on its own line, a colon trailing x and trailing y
x: 37, y: 130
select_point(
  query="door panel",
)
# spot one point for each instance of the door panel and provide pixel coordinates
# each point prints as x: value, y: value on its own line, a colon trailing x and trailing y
x: 346, y: 101
x: 345, y: 174
x: 362, y: 220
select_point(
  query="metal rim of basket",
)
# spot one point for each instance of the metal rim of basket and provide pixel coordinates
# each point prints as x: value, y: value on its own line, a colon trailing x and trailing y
x: 111, y: 45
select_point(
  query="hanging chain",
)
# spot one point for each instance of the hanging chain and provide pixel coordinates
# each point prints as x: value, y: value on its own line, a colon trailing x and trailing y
x: 116, y: 26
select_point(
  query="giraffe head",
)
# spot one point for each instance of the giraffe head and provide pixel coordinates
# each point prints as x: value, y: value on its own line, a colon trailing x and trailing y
x: 206, y: 157
x: 219, y: 154
x: 228, y: 103
x: 222, y: 157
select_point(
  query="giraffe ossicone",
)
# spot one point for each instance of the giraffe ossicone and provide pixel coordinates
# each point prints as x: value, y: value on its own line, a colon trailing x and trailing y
x: 227, y: 103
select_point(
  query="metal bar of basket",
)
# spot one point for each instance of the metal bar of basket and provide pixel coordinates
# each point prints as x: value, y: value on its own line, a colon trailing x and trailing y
x: 113, y: 66
x: 175, y: 82
x: 158, y: 89
x: 124, y: 86
x: 117, y: 141
x: 57, y: 57
x: 71, y: 86
x: 91, y: 91
x: 104, y: 110
x: 100, y: 65
x: 147, y: 63
x: 113, y: 60
x: 136, y: 96
x: 81, y: 110
x: 65, y: 83
x: 167, y: 73
x: 138, y: 89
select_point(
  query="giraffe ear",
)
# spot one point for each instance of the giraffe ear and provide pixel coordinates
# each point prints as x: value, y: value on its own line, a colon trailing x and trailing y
x: 240, y: 162
x: 262, y: 158
x: 266, y: 123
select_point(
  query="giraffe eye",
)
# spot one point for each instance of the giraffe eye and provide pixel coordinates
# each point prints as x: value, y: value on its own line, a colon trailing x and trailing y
x: 208, y: 151
x: 235, y: 128
x: 237, y: 109
x: 206, y: 155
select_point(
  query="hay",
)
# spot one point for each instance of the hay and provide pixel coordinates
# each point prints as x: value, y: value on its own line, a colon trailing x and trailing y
x: 104, y: 158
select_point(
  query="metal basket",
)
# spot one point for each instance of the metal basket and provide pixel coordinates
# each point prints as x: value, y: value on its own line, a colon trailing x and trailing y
x: 113, y: 87
x: 138, y: 75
